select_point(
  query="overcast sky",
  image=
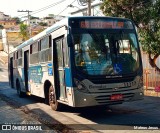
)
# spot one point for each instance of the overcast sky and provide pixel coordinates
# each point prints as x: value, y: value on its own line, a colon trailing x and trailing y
x: 10, y: 7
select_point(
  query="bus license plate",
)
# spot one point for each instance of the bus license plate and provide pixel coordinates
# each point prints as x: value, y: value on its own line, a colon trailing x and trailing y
x: 116, y: 97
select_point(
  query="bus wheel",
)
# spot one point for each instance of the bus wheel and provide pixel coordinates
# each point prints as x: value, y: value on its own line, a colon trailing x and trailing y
x: 52, y: 99
x: 19, y: 92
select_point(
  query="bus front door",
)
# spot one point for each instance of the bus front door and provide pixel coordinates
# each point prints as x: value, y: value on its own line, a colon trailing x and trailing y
x: 58, y: 61
x: 26, y: 64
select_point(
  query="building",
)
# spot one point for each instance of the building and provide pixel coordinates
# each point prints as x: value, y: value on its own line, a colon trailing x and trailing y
x: 52, y: 20
x: 10, y: 37
x: 4, y: 16
x: 34, y: 21
x: 49, y: 21
x: 7, y: 23
x: 35, y: 29
x: 13, y: 35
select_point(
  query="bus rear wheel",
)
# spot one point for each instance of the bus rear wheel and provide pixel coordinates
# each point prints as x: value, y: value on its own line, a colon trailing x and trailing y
x: 53, y: 100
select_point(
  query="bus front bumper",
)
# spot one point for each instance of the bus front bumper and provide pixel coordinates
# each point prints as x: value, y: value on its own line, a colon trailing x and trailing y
x: 89, y: 99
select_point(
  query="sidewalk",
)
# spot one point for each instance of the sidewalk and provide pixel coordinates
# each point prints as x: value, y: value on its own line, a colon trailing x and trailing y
x: 3, y: 57
x: 12, y: 116
x: 150, y: 91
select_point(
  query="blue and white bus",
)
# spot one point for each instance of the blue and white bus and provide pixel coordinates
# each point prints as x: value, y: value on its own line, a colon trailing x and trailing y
x: 80, y: 61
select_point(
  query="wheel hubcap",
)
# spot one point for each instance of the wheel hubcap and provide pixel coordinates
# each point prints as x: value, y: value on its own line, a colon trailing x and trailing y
x: 52, y: 97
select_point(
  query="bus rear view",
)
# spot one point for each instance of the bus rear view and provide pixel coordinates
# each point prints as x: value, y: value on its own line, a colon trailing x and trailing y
x: 105, y: 61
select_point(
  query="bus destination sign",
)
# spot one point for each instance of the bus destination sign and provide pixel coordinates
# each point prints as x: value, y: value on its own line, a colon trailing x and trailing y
x: 102, y: 24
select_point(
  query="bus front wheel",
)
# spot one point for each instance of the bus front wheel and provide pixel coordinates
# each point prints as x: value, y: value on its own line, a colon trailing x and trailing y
x: 53, y: 100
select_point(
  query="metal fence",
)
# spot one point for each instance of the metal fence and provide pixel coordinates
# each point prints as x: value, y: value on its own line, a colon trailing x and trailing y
x: 151, y: 78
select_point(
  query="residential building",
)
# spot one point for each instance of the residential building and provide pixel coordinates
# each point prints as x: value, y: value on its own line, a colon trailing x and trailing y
x: 35, y: 29
x: 10, y: 37
x: 34, y: 21
x: 52, y: 20
x: 49, y: 21
x: 4, y: 16
x: 14, y: 37
x: 7, y: 23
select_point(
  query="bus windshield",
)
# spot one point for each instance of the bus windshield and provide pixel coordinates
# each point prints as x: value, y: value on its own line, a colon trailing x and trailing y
x: 106, y: 53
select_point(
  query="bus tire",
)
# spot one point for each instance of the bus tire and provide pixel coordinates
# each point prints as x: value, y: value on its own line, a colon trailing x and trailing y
x: 53, y: 100
x: 19, y: 92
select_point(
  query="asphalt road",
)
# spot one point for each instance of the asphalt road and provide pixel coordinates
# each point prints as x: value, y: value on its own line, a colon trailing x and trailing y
x: 143, y: 114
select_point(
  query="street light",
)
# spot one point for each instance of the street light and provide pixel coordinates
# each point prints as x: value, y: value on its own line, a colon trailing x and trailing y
x: 79, y: 9
x: 72, y: 6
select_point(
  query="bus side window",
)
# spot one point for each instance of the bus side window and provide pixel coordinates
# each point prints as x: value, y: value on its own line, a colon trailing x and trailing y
x: 65, y: 50
x: 34, y: 55
x: 45, y: 49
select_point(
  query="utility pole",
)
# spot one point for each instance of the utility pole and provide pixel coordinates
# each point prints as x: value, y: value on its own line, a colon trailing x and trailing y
x: 28, y: 21
x: 89, y: 7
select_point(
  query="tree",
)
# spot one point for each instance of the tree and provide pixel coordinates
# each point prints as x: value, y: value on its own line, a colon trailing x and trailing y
x: 1, y: 27
x: 17, y: 20
x: 32, y: 17
x: 146, y: 16
x: 43, y: 24
x: 24, y: 31
x: 51, y: 15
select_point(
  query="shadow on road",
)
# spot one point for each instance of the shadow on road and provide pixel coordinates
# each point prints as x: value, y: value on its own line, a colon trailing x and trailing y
x: 139, y: 113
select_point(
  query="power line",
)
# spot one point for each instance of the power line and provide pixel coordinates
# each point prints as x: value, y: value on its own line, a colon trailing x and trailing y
x: 47, y: 7
x: 43, y: 8
x: 66, y: 8
x: 98, y: 12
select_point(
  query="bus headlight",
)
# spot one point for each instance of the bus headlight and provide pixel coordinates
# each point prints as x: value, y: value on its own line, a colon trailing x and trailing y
x: 80, y: 86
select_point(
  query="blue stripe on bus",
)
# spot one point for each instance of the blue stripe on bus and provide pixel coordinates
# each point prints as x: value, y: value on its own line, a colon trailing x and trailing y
x: 68, y: 77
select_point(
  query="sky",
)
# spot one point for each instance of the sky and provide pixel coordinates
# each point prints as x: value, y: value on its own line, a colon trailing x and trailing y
x: 11, y: 7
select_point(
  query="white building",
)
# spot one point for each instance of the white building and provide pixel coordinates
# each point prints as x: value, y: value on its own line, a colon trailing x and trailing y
x: 4, y: 16
x: 35, y: 21
x: 49, y: 21
x: 52, y: 20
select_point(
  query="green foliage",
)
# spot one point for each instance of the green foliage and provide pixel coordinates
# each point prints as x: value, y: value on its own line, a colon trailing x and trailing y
x: 32, y: 17
x: 133, y: 9
x: 51, y: 15
x: 43, y: 24
x: 1, y: 27
x: 17, y: 20
x: 24, y: 31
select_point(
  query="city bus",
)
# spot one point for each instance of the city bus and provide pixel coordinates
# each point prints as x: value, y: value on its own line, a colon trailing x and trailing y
x: 80, y: 62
